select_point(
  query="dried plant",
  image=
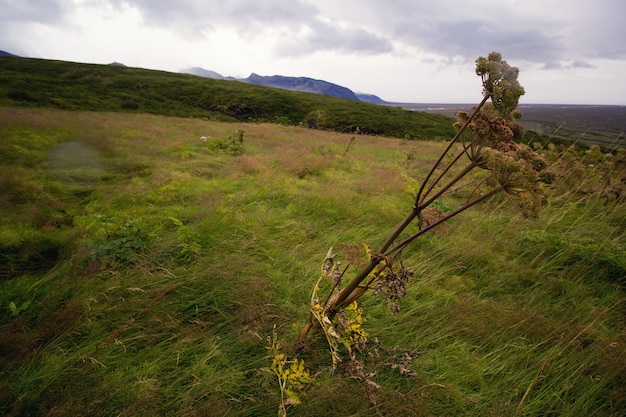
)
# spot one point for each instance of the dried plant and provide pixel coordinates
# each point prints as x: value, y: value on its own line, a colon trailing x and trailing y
x: 487, y: 139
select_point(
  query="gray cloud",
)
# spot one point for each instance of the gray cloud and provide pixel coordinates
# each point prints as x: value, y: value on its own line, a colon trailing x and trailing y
x: 539, y: 32
x: 305, y: 31
x: 568, y: 65
x: 471, y: 38
x: 41, y: 11
x: 192, y: 17
x: 601, y: 33
x: 581, y: 64
x: 322, y: 36
x: 563, y: 32
x: 21, y: 14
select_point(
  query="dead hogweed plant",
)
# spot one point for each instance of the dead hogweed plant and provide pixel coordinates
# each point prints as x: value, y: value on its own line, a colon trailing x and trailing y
x: 485, y: 140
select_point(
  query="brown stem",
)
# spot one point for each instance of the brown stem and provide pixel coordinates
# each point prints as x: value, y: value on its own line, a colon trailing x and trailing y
x: 347, y: 293
x: 445, y: 152
x: 305, y: 332
x: 352, y: 286
x: 464, y: 207
x: 442, y: 174
x: 399, y: 229
x: 445, y: 188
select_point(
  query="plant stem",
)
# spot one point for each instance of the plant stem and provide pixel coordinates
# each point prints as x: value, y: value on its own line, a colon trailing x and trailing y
x: 445, y: 188
x: 442, y: 174
x: 348, y: 292
x: 434, y: 224
x: 344, y: 294
x: 454, y: 139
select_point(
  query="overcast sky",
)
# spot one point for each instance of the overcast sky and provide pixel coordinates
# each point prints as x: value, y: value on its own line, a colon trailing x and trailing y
x: 568, y: 51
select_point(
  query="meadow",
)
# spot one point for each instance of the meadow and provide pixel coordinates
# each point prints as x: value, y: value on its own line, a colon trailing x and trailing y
x: 147, y: 261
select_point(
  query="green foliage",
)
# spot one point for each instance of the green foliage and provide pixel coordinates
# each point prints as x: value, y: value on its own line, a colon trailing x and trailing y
x: 114, y: 241
x: 230, y: 145
x: 291, y: 374
x: 15, y: 310
x: 189, y: 245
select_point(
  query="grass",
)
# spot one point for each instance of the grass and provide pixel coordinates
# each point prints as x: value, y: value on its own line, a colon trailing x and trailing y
x: 142, y: 271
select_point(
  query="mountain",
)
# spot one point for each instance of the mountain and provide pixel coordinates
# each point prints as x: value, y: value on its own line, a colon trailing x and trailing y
x: 4, y: 53
x: 201, y: 72
x: 302, y: 84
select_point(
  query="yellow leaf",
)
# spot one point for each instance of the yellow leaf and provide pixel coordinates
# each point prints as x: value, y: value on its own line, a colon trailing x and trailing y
x: 292, y: 398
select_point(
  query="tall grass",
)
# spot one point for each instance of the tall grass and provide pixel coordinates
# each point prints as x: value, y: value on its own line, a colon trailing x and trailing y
x: 170, y: 315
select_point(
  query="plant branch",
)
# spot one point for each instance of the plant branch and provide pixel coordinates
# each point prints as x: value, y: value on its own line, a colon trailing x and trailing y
x: 446, y: 187
x: 445, y: 152
x: 346, y: 293
x: 434, y: 224
x: 443, y: 173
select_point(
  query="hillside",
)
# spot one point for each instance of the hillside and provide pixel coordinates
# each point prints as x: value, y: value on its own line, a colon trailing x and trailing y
x: 148, y: 262
x: 68, y: 85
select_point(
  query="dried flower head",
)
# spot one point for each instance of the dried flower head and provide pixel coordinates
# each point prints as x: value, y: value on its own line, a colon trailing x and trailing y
x: 493, y: 144
x: 430, y: 215
x: 500, y: 83
x: 393, y: 286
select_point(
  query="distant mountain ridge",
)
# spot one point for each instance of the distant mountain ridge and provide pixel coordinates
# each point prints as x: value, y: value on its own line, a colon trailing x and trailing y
x: 301, y: 84
x: 201, y: 72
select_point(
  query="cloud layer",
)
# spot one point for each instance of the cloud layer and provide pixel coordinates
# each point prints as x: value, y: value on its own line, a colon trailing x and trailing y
x: 375, y: 35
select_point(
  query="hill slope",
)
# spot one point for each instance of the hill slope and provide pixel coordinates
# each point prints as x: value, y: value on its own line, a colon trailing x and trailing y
x: 142, y: 270
x: 68, y: 85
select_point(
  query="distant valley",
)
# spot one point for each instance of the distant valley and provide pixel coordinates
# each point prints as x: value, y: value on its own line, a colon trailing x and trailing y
x: 604, y: 125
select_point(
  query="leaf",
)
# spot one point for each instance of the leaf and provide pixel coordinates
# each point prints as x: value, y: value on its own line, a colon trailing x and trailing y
x: 333, y: 333
x: 292, y: 398
x: 368, y: 250
x: 175, y: 221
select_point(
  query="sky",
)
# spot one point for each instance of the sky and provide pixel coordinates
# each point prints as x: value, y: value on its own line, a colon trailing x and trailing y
x: 412, y: 51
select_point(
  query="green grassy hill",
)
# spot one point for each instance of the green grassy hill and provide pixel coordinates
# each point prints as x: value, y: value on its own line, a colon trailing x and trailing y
x: 68, y: 85
x: 145, y: 261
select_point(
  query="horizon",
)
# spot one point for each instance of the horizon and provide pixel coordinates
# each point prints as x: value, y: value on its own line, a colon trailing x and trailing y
x: 232, y: 78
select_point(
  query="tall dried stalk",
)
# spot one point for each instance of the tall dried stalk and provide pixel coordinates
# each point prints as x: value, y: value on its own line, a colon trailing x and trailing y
x: 490, y: 146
